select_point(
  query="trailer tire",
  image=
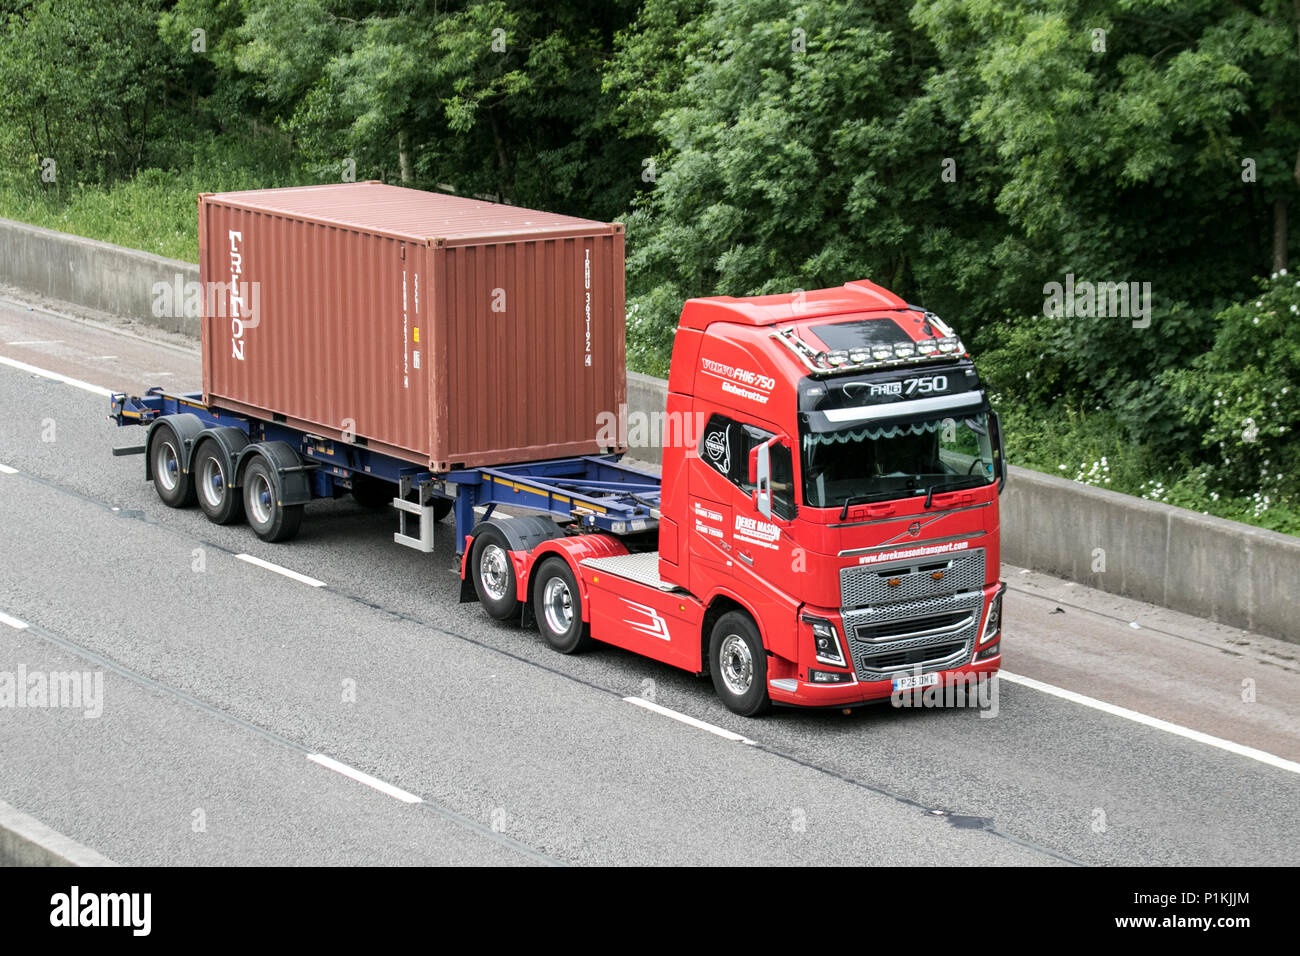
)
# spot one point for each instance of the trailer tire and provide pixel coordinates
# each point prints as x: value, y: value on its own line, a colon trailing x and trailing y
x: 495, y: 582
x: 270, y: 519
x: 738, y: 665
x: 557, y: 606
x: 175, y: 485
x: 442, y: 507
x: 221, y: 501
x: 372, y: 493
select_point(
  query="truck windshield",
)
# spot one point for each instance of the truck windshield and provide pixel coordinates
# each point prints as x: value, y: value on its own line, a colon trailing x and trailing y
x: 896, y: 458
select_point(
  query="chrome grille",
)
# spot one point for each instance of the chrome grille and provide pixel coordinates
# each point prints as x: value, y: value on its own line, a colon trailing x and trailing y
x: 863, y: 585
x: 933, y: 633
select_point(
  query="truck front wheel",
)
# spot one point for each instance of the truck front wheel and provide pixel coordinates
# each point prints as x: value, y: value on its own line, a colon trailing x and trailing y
x: 738, y: 665
x: 557, y: 606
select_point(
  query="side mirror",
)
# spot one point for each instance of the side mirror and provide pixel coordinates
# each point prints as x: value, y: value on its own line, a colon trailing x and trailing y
x: 760, y: 470
x: 1001, y: 451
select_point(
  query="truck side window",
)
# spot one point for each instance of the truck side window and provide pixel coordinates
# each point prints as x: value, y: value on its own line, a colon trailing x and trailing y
x: 725, y: 447
x: 782, y: 482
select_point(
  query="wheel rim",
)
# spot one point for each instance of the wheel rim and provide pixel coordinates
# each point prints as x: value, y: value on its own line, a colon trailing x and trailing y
x: 494, y: 571
x: 557, y: 606
x: 212, y: 480
x: 167, y: 467
x: 736, y: 664
x: 259, y: 499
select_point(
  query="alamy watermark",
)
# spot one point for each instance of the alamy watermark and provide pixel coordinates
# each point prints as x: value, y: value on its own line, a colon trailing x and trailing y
x: 955, y: 690
x: 1121, y: 300
x: 637, y: 429
x: 75, y: 690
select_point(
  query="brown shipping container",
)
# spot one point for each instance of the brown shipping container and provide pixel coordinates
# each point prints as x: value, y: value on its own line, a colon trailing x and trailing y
x: 438, y: 329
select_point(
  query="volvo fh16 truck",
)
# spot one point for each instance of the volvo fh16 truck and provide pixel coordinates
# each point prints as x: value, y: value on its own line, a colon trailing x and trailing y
x: 825, y: 530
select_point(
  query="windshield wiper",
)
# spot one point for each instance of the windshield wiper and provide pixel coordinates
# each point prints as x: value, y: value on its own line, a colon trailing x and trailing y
x: 854, y: 500
x: 973, y: 481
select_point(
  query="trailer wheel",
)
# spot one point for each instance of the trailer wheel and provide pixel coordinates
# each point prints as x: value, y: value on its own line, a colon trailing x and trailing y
x: 220, y: 501
x: 373, y: 493
x: 174, y: 485
x: 738, y: 665
x: 271, y: 520
x: 557, y: 606
x: 494, y: 574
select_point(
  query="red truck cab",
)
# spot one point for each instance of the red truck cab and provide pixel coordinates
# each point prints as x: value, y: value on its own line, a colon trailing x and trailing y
x: 828, y: 534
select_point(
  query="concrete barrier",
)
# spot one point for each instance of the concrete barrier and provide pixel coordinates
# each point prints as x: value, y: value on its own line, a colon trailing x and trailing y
x: 91, y: 274
x: 1221, y: 570
x: 25, y: 841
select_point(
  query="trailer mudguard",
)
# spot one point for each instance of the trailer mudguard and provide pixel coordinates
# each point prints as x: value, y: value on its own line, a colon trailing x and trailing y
x: 293, y: 485
x: 187, y: 427
x: 231, y: 440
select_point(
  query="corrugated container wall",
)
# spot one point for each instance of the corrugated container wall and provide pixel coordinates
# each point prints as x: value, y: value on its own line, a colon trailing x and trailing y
x: 439, y: 329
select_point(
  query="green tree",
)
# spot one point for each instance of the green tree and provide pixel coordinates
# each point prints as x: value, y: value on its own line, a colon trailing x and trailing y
x: 1242, y: 398
x: 1136, y: 141
x: 800, y: 149
x: 81, y: 84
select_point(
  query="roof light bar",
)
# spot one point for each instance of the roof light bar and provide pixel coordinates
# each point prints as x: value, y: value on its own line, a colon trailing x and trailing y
x: 877, y: 356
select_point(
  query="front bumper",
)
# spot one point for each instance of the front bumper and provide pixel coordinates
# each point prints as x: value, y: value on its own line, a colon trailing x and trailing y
x: 941, y: 637
x: 800, y: 693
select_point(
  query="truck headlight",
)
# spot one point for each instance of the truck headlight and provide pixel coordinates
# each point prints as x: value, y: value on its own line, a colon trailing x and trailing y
x: 826, y: 641
x: 993, y: 623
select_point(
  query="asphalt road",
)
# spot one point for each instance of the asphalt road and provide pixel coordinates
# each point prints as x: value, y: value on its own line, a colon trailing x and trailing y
x: 228, y: 690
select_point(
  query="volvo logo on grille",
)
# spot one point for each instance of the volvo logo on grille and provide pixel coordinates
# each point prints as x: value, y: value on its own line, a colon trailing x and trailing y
x: 914, y: 528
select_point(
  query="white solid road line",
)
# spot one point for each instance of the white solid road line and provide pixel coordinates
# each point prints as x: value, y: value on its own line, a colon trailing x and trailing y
x: 1233, y: 748
x: 685, y: 719
x: 6, y: 470
x: 37, y: 342
x: 55, y: 376
x: 397, y: 793
x: 13, y: 622
x: 301, y: 578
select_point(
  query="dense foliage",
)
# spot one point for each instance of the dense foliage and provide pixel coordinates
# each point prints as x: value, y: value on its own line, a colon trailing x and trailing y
x: 967, y: 153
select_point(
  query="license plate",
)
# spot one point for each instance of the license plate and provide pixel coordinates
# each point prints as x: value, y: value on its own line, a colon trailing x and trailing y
x: 912, y: 683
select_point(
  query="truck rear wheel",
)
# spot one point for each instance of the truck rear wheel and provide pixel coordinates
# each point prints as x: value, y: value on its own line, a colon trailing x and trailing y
x: 174, y: 485
x: 221, y: 502
x: 271, y: 520
x: 557, y: 606
x: 494, y: 574
x: 738, y: 665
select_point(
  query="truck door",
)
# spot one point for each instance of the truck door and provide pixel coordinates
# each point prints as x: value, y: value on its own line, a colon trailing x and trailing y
x: 726, y: 526
x: 710, y: 495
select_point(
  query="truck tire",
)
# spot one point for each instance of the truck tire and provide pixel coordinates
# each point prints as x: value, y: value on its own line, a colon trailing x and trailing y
x: 494, y: 574
x: 557, y: 606
x: 219, y: 499
x: 174, y: 485
x: 738, y: 665
x: 271, y: 520
x: 442, y: 507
